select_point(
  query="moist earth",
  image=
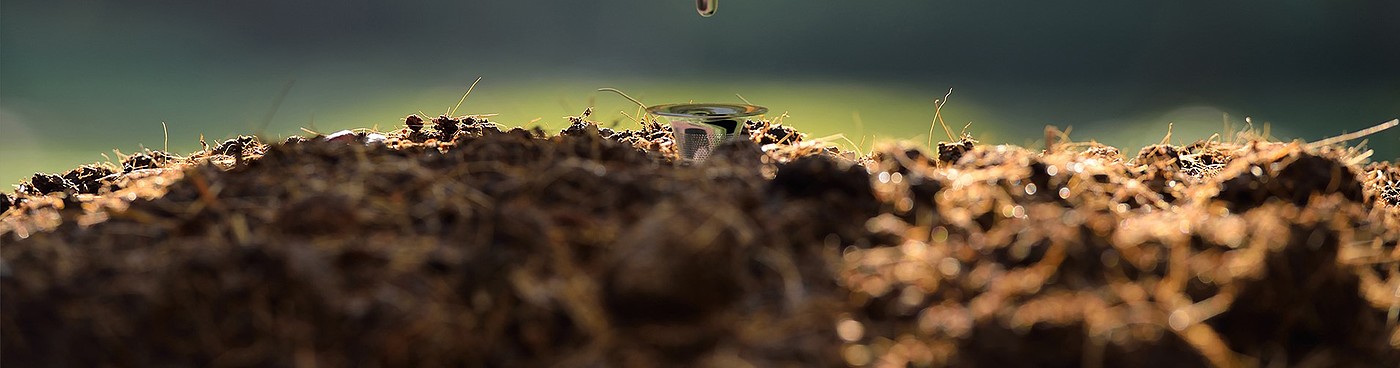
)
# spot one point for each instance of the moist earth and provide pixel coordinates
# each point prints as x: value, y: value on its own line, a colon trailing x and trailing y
x: 455, y: 242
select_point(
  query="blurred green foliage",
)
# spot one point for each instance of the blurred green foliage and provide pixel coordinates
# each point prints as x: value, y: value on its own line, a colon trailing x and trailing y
x: 83, y: 77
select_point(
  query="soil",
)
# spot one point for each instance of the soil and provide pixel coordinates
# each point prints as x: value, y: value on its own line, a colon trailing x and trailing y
x: 455, y: 242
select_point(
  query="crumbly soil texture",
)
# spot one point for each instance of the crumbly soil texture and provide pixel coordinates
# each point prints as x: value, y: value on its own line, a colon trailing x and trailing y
x: 453, y: 241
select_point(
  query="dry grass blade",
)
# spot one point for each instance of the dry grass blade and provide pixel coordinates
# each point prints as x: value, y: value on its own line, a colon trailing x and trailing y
x: 1355, y: 135
x: 453, y: 110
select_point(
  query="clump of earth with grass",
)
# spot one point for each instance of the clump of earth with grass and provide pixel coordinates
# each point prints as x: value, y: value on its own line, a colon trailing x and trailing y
x: 454, y: 241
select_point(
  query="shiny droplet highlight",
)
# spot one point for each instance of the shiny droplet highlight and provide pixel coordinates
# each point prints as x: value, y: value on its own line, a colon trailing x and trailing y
x: 706, y: 7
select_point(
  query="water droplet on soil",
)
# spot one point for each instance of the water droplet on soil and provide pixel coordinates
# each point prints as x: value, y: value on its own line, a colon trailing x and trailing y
x: 950, y: 267
x: 850, y: 330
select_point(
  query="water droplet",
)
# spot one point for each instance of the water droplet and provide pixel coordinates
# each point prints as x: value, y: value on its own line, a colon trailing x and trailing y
x: 884, y: 177
x: 857, y: 355
x: 706, y: 7
x: 914, y: 249
x: 896, y: 178
x: 1064, y: 193
x: 850, y: 253
x: 1256, y: 171
x: 904, y: 205
x: 1071, y: 218
x: 950, y: 267
x: 850, y: 330
x: 911, y: 296
x: 940, y: 234
x: 1179, y: 320
x: 1052, y: 170
x: 1109, y: 258
x: 1030, y: 189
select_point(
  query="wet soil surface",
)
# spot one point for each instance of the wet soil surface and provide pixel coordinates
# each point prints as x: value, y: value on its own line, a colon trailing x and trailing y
x: 456, y: 242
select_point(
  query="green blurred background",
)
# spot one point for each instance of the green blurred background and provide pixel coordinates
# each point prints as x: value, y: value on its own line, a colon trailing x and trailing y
x: 83, y: 77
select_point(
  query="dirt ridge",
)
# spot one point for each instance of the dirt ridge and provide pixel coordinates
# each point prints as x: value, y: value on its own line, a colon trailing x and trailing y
x: 453, y: 241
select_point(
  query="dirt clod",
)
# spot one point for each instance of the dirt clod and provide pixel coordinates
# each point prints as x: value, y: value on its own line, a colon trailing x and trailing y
x: 1290, y: 176
x: 950, y: 152
x: 235, y: 146
x: 1158, y: 155
x: 769, y: 133
x: 50, y: 183
x: 446, y: 126
x: 413, y: 122
x: 145, y: 160
x: 87, y: 178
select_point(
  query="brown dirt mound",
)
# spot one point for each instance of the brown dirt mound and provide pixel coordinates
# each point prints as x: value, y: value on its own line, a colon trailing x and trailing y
x: 455, y: 242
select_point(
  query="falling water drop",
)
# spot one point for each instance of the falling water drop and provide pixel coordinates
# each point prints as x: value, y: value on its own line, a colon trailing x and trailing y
x: 706, y: 7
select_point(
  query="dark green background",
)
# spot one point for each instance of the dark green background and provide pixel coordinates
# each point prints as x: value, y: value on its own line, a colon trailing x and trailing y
x: 78, y: 78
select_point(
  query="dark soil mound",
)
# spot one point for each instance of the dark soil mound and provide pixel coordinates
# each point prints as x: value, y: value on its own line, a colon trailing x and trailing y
x: 453, y: 242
